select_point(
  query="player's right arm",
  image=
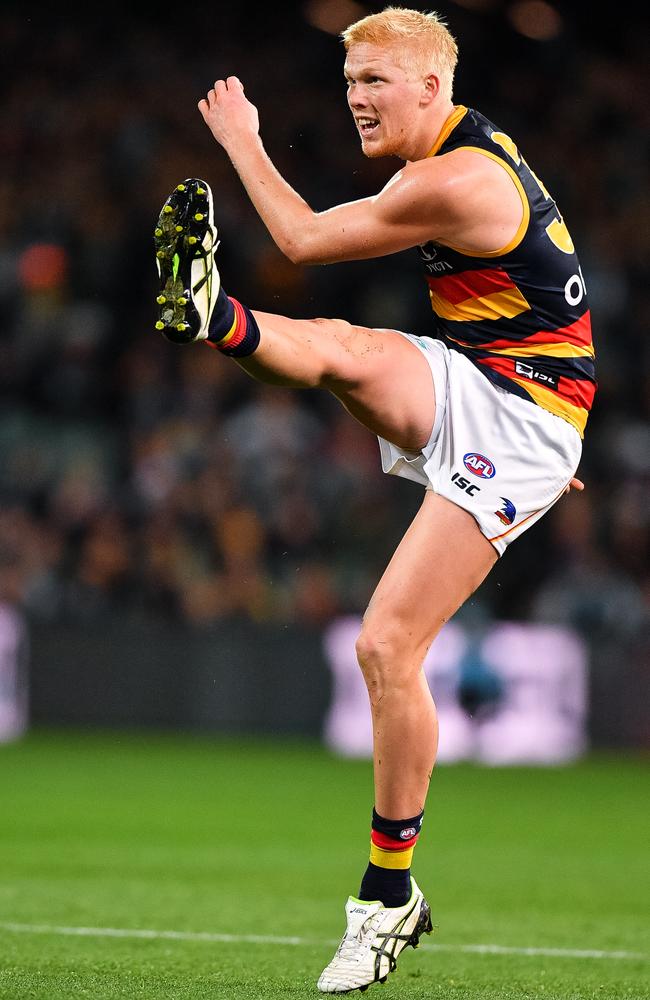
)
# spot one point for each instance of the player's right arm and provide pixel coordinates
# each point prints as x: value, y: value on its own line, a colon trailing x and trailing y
x: 305, y: 236
x: 462, y: 198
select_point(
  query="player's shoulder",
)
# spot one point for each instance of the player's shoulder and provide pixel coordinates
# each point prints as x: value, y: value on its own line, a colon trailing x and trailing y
x: 452, y: 171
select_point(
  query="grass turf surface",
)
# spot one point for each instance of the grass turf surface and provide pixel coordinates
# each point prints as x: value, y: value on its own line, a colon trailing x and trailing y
x: 184, y: 833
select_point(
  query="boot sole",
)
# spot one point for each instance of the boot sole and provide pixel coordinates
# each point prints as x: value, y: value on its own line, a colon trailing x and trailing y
x: 178, y: 240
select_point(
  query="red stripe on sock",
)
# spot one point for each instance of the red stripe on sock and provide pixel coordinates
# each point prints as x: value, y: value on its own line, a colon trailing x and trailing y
x: 242, y: 324
x: 391, y: 843
x: 241, y: 327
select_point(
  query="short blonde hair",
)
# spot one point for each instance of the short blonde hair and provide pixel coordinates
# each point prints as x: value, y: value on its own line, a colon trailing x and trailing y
x: 423, y: 42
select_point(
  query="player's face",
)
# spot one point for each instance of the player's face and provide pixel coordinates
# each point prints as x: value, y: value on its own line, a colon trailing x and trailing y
x: 383, y: 99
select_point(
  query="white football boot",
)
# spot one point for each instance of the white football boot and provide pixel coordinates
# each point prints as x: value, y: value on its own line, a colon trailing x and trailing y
x: 374, y: 937
x: 185, y: 240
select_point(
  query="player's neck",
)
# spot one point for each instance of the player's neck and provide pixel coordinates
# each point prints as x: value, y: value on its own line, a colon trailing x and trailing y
x: 435, y: 125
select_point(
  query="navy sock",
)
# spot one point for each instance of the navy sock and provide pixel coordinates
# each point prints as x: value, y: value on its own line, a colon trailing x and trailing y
x: 388, y: 875
x: 233, y: 329
x: 391, y: 885
x: 222, y: 317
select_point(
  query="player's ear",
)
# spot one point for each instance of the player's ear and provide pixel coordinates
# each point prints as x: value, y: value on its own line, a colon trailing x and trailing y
x: 431, y: 88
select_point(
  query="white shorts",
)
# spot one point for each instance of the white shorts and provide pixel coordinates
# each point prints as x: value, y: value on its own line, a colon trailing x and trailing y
x: 501, y: 458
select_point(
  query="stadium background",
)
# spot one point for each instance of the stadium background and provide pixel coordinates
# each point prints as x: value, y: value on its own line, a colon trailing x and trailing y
x: 176, y: 537
x: 171, y: 825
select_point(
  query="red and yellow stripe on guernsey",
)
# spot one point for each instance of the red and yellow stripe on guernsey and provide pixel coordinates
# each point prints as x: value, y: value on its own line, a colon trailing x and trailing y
x: 572, y: 400
x: 476, y: 295
x: 572, y: 341
x: 490, y: 295
x: 385, y: 852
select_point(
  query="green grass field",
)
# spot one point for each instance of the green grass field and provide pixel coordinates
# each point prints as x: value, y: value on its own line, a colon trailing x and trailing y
x: 145, y: 865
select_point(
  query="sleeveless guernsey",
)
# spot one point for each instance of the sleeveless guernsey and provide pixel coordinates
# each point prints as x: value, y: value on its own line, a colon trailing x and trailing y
x: 520, y: 314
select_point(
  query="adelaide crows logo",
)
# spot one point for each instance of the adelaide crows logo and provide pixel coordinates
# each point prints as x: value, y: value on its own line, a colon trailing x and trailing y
x: 508, y: 512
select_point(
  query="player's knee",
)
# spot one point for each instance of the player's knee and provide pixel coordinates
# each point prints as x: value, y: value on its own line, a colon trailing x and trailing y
x: 384, y: 659
x: 334, y: 327
x: 334, y: 347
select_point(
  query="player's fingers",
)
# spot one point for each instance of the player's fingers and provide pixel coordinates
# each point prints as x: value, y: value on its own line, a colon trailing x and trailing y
x: 576, y: 484
x: 234, y: 82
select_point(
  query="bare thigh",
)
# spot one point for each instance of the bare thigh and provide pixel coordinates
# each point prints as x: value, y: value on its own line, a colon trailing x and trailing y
x: 380, y: 377
x: 441, y: 560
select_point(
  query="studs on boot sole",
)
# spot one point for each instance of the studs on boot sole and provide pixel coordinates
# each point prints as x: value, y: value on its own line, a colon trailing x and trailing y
x: 181, y: 231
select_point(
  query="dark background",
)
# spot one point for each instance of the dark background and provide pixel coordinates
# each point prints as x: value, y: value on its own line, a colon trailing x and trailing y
x: 161, y: 514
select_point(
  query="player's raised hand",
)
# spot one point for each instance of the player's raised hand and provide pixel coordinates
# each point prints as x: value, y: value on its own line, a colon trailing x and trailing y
x: 228, y: 113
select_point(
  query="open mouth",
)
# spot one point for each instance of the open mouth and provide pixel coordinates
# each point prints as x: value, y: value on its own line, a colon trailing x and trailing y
x: 367, y: 126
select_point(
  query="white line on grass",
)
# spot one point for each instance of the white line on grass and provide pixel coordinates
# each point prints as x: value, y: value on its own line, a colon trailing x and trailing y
x: 211, y: 938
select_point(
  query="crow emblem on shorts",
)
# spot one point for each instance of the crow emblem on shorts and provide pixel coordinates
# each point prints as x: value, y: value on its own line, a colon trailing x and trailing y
x: 508, y: 512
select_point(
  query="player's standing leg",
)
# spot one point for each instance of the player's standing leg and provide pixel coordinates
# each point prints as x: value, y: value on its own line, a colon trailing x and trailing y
x: 440, y: 561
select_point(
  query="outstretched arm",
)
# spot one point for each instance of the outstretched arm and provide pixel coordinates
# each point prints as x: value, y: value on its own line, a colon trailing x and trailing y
x: 370, y: 227
x: 428, y: 199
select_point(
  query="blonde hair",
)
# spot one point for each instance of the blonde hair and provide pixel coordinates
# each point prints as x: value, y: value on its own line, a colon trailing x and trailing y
x: 423, y: 42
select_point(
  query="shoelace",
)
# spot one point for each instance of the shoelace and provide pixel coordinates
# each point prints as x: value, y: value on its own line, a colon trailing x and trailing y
x: 348, y: 949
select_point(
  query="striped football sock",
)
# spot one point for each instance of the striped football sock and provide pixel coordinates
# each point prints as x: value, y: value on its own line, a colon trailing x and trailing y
x: 388, y: 875
x: 233, y: 329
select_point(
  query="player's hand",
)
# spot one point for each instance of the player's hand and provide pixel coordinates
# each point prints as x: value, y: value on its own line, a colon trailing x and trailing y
x: 228, y: 113
x: 576, y: 484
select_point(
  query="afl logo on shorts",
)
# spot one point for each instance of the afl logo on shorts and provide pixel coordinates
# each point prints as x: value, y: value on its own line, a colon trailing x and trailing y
x: 479, y: 465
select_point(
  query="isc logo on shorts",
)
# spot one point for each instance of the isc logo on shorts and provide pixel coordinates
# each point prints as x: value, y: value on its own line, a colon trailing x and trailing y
x: 479, y: 465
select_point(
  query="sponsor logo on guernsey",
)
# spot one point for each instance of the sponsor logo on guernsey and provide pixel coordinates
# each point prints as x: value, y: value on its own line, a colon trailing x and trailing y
x: 428, y: 253
x: 479, y: 465
x: 521, y: 368
x: 508, y: 512
x: 409, y: 832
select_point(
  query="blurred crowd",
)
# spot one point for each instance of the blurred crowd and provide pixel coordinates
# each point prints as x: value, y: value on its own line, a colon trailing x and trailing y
x: 150, y: 479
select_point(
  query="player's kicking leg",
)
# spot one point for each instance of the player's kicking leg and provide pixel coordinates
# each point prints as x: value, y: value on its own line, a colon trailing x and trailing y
x: 386, y: 383
x: 357, y: 364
